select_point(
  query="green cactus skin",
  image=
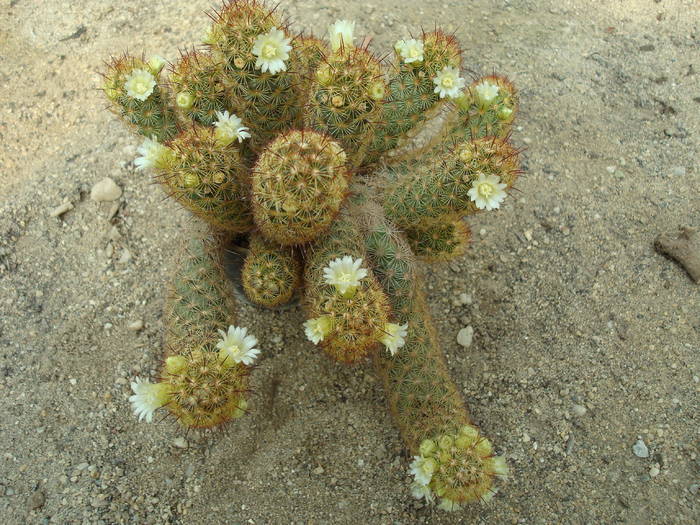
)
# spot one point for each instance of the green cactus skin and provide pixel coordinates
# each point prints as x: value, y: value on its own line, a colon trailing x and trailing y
x: 198, y: 302
x: 196, y: 83
x: 307, y: 55
x: 440, y: 241
x: 299, y: 184
x: 424, y: 401
x: 479, y: 118
x: 271, y: 274
x: 152, y: 117
x: 209, y: 179
x: 267, y: 103
x: 418, y: 194
x: 204, y: 390
x: 411, y: 99
x: 346, y: 101
x: 357, y: 322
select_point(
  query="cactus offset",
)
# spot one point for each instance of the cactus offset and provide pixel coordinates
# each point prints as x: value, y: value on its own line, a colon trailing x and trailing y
x: 208, y: 178
x: 271, y: 274
x: 135, y: 93
x: 337, y: 171
x: 346, y: 100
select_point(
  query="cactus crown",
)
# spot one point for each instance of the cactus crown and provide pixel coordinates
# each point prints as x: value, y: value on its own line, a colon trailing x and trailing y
x: 307, y: 152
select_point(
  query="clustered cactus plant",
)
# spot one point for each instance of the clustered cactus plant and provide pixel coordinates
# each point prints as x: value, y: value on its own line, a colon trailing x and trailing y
x: 317, y: 157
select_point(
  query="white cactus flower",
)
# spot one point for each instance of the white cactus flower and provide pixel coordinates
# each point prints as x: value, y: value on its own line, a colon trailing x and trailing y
x: 344, y: 273
x: 236, y: 346
x: 317, y: 329
x: 410, y: 50
x: 229, y: 128
x: 487, y: 192
x: 272, y: 50
x: 422, y: 491
x: 341, y: 34
x: 153, y: 154
x: 148, y: 397
x: 448, y: 83
x: 486, y: 92
x: 422, y: 469
x: 393, y: 337
x: 140, y: 84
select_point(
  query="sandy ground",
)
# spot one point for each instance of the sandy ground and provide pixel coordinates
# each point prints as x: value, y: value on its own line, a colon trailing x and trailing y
x: 586, y: 339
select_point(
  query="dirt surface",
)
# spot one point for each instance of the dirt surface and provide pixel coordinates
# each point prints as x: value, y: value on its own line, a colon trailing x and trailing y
x: 585, y: 339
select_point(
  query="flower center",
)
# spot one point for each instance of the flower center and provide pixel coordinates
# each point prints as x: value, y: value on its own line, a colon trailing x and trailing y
x: 233, y: 349
x: 269, y: 51
x: 413, y: 52
x: 448, y: 82
x: 344, y: 277
x: 485, y: 190
x: 141, y: 87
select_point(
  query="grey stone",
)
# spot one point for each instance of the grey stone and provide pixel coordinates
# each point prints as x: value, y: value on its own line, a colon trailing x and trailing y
x: 105, y: 190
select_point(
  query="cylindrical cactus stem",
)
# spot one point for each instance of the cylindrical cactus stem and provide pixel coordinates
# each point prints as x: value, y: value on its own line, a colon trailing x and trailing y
x: 411, y: 97
x: 253, y: 45
x: 198, y: 89
x: 204, y: 380
x: 307, y: 55
x: 440, y: 240
x: 299, y: 184
x: 346, y: 100
x: 487, y: 108
x: 347, y: 309
x: 452, y: 460
x: 456, y: 181
x: 199, y: 302
x: 271, y: 273
x: 135, y: 92
x: 207, y: 176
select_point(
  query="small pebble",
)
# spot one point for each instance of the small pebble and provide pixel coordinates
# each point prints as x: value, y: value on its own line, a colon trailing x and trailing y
x: 654, y: 471
x: 640, y: 449
x: 678, y: 171
x: 579, y: 410
x: 318, y: 470
x: 465, y: 336
x: 60, y: 210
x: 105, y: 190
x: 125, y: 257
x: 465, y: 298
x: 611, y: 169
x: 180, y: 442
x: 136, y: 325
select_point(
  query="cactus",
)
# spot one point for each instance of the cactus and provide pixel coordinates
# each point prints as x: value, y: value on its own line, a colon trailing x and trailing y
x: 270, y: 274
x: 299, y: 183
x: 203, y: 381
x: 135, y: 92
x: 337, y: 171
x: 453, y: 460
x: 207, y: 177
